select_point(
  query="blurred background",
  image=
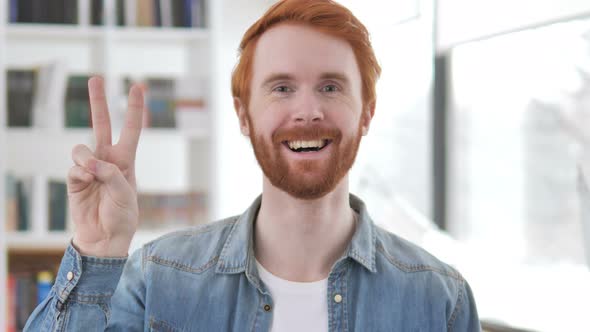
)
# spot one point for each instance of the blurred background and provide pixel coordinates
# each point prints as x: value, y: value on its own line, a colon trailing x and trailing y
x: 479, y: 151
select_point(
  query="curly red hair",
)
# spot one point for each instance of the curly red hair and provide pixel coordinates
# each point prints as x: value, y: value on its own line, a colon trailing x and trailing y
x: 325, y: 16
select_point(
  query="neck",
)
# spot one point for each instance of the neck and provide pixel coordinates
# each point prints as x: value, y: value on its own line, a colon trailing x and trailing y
x: 300, y: 240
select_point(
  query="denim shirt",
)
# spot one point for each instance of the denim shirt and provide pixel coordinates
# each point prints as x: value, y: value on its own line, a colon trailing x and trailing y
x: 205, y: 279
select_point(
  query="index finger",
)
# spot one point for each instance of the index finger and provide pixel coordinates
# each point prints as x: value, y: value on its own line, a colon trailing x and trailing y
x: 101, y: 121
x: 133, y: 119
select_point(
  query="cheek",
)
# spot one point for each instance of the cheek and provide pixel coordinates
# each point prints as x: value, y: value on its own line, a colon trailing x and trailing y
x: 346, y: 119
x: 262, y: 125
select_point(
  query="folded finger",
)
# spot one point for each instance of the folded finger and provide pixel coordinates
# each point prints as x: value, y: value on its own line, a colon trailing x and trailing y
x: 78, y: 179
x: 81, y: 154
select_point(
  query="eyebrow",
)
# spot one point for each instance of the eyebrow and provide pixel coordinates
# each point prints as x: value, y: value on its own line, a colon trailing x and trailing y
x: 335, y: 76
x: 288, y: 77
x: 277, y: 77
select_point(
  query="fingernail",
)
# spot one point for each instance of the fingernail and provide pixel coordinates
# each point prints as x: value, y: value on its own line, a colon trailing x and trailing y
x: 136, y: 95
x: 94, y: 81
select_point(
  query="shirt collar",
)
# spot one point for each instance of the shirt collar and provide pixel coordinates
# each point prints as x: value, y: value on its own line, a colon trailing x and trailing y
x: 237, y: 254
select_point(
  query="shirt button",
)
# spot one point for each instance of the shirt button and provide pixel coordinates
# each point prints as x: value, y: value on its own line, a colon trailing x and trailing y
x: 267, y: 307
x: 70, y: 276
x: 337, y: 298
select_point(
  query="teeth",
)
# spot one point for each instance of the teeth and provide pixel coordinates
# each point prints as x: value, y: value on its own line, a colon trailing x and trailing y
x: 306, y: 144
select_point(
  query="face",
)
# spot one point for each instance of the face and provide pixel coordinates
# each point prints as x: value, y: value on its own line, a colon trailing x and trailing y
x: 305, y: 118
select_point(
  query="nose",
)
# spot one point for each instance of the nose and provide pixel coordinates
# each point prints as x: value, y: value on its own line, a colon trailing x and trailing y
x: 308, y: 109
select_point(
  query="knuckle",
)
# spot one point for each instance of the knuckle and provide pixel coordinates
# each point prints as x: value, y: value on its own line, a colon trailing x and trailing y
x: 77, y: 148
x: 71, y: 177
x: 110, y: 170
x: 72, y: 172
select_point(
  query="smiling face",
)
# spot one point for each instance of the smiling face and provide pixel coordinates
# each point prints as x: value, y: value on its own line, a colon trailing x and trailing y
x: 305, y: 118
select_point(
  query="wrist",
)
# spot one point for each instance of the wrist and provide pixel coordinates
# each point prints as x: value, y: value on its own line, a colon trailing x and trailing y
x: 104, y: 248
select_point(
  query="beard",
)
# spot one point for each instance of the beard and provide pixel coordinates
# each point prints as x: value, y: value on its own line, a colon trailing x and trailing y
x: 305, y: 179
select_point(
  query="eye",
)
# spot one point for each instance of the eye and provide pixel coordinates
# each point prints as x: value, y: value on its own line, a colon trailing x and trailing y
x: 330, y: 88
x: 282, y: 89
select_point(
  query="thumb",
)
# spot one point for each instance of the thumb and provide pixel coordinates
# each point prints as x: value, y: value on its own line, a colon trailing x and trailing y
x: 112, y: 177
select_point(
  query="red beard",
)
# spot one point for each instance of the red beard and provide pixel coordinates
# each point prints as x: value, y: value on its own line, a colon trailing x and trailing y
x: 305, y: 179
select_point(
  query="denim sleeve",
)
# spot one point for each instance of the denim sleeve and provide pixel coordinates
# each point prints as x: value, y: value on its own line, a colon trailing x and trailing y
x: 81, y: 295
x: 464, y: 317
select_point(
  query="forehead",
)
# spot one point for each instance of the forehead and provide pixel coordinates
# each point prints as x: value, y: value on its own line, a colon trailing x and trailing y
x: 303, y: 52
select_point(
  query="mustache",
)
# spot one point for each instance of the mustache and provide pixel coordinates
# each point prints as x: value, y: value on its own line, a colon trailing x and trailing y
x: 307, y: 133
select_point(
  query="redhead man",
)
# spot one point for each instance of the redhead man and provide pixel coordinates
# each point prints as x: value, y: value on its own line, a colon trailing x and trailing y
x: 305, y: 256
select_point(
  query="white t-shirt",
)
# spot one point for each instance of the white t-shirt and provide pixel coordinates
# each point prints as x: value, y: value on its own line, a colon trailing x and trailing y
x: 298, y: 306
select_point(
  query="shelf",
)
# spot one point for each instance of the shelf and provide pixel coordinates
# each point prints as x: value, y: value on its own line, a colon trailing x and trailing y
x: 51, y: 241
x: 165, y: 160
x: 25, y: 242
x: 61, y: 31
x: 30, y: 45
x: 152, y: 34
x: 186, y: 133
x: 41, y: 134
x: 18, y: 134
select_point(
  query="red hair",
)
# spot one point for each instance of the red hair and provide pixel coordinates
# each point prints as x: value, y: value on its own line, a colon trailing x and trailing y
x: 325, y: 16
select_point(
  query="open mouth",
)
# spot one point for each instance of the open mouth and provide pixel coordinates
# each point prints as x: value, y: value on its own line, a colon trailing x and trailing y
x: 307, y: 146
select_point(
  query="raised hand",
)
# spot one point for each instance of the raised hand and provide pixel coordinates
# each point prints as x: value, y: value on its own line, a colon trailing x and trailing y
x: 101, y: 186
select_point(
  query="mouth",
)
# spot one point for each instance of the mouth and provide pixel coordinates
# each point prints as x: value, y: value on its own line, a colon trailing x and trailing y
x: 300, y: 146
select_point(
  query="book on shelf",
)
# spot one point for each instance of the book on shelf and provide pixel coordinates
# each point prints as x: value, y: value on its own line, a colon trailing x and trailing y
x: 19, y: 192
x: 25, y: 297
x: 160, y: 102
x: 190, y: 105
x: 25, y: 289
x: 178, y: 10
x: 199, y: 14
x: 145, y: 13
x: 97, y: 12
x: 24, y: 193
x: 11, y: 204
x: 130, y: 13
x: 44, y: 11
x: 10, y: 303
x: 165, y: 210
x: 20, y: 85
x: 174, y: 102
x: 77, y: 106
x: 58, y: 205
x: 163, y: 13
x: 36, y: 95
x: 121, y: 14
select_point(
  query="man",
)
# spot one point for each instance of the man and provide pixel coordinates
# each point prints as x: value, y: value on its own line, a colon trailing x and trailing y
x: 304, y: 257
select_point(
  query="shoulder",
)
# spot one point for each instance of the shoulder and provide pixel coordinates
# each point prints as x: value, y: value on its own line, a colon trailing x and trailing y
x: 193, y: 249
x: 412, y: 267
x: 408, y: 257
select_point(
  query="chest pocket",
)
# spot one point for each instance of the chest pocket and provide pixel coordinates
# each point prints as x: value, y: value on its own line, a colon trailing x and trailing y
x: 162, y: 326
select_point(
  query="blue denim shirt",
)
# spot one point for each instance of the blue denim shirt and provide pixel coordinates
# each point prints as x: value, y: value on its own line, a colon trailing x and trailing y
x: 205, y: 279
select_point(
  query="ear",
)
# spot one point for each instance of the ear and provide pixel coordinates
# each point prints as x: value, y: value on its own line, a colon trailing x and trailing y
x: 366, y: 117
x: 242, y: 116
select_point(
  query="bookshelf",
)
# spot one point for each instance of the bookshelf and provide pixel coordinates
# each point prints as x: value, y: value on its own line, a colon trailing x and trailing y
x: 3, y: 238
x: 170, y: 162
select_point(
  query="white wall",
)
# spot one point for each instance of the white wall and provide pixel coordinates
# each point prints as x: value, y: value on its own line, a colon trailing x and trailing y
x: 464, y: 20
x: 238, y: 178
x: 394, y: 160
